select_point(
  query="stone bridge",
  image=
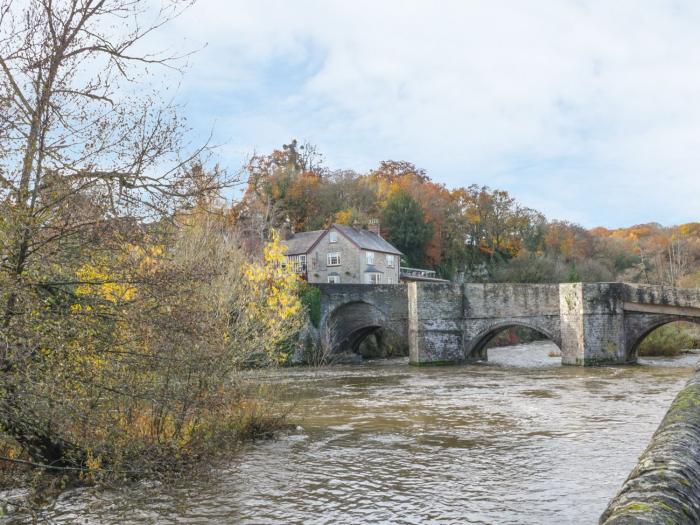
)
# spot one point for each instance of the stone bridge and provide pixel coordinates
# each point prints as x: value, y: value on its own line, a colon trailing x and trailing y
x: 592, y: 323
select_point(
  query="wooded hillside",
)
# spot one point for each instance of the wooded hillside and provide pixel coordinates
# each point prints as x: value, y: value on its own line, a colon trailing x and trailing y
x: 469, y: 233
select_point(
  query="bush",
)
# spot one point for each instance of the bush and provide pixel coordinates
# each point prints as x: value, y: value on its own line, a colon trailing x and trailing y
x: 670, y: 340
x: 135, y: 372
x: 311, y: 300
x: 531, y: 268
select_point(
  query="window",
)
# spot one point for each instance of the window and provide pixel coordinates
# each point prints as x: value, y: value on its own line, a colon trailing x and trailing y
x: 390, y: 279
x: 389, y: 261
x: 333, y: 259
x: 370, y: 257
x: 374, y: 278
x: 297, y: 262
x: 333, y: 236
x: 334, y: 279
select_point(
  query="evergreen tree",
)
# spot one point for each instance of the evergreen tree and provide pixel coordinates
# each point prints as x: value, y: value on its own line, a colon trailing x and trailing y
x: 407, y: 227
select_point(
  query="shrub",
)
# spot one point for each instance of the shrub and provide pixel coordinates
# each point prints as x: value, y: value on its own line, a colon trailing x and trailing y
x: 311, y: 300
x: 670, y: 340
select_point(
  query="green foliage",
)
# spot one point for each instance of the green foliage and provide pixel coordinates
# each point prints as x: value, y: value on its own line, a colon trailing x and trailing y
x: 409, y: 231
x: 530, y: 268
x: 573, y: 273
x: 670, y: 339
x: 311, y: 300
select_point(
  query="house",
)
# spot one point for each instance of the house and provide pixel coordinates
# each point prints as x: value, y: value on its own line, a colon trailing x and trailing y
x: 344, y: 254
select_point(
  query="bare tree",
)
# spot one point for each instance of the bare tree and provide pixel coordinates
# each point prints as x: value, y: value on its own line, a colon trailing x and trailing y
x: 92, y: 161
x: 321, y: 352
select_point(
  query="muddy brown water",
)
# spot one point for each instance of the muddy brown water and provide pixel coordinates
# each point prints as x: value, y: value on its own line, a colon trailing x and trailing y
x: 518, y: 440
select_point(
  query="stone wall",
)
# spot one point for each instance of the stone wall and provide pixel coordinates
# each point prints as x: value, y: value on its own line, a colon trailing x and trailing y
x: 350, y: 268
x: 380, y: 266
x: 435, y: 323
x: 353, y: 263
x: 352, y: 311
x: 664, y: 487
x: 490, y: 308
x: 592, y: 323
x: 661, y: 295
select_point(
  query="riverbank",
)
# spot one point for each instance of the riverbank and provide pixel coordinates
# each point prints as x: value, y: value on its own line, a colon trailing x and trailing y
x: 28, y: 489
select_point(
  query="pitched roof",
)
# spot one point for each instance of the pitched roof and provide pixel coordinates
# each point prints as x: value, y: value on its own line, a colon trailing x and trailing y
x: 367, y: 240
x: 301, y: 242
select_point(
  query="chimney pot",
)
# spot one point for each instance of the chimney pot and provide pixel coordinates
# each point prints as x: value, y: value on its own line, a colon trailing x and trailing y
x: 374, y: 226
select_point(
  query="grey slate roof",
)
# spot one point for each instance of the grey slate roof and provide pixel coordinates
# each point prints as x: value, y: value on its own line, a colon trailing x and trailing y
x: 367, y: 240
x: 301, y: 242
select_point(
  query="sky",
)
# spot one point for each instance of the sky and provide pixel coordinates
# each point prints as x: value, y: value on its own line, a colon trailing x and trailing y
x: 588, y: 111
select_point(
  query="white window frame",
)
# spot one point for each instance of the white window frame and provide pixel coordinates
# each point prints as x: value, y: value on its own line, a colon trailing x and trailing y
x: 332, y: 236
x: 374, y: 278
x: 390, y: 261
x: 331, y: 257
x: 390, y: 279
x: 334, y: 279
x: 369, y: 258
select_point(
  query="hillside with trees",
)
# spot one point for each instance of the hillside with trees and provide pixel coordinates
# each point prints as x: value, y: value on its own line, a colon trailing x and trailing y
x: 472, y: 233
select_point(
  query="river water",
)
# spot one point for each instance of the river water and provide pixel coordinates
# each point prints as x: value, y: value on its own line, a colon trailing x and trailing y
x: 518, y: 440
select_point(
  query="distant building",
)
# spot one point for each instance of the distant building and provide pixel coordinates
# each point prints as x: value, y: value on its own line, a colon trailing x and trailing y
x: 344, y: 254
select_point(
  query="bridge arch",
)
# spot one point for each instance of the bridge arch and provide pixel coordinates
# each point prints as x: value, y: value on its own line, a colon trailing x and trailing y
x: 476, y: 348
x: 639, y: 326
x: 350, y: 323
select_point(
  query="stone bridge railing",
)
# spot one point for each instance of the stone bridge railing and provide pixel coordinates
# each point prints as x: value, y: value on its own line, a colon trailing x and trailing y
x: 664, y: 487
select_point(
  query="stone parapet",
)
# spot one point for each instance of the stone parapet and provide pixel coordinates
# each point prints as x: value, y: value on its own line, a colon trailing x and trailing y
x: 664, y: 487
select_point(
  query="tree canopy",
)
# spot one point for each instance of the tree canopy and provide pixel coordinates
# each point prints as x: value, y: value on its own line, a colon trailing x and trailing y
x: 408, y: 230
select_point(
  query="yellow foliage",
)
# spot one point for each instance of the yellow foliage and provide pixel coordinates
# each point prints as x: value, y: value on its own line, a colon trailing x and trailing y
x: 275, y: 287
x: 97, y: 281
x: 344, y: 216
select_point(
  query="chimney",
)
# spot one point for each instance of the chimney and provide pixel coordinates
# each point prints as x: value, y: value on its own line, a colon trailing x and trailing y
x: 373, y: 226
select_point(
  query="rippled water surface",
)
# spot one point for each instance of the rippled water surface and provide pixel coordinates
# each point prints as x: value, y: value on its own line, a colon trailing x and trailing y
x: 520, y: 440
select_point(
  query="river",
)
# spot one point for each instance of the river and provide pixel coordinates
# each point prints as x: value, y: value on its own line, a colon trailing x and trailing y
x: 518, y: 440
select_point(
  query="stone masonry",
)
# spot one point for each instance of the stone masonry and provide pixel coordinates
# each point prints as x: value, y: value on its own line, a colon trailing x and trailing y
x: 664, y: 486
x: 444, y: 323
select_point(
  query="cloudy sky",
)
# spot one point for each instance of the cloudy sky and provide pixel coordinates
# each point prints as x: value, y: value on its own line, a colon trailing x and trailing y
x: 586, y: 110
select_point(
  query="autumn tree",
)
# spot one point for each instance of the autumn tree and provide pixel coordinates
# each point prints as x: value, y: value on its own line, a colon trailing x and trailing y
x: 283, y: 191
x: 116, y: 298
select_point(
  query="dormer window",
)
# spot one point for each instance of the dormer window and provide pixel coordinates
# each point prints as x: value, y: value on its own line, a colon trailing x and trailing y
x: 333, y: 236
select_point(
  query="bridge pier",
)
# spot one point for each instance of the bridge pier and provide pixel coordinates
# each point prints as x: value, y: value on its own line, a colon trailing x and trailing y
x: 592, y: 323
x: 435, y: 324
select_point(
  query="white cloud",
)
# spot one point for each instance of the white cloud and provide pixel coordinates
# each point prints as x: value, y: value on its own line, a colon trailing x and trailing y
x: 585, y: 110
